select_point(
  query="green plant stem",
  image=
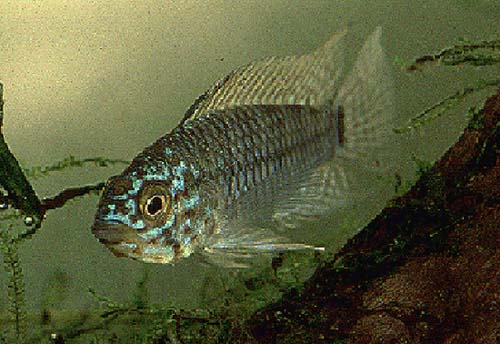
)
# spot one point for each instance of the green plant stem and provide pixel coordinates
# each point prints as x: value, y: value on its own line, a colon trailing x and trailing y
x: 482, y: 53
x: 439, y: 109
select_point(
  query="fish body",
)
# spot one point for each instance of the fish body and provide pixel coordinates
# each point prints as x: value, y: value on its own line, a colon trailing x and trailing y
x: 263, y: 138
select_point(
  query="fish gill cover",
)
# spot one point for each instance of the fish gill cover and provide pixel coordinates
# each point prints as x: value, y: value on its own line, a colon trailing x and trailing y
x: 261, y: 153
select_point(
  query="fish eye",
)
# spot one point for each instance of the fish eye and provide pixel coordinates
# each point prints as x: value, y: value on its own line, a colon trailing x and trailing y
x: 154, y: 202
x: 155, y: 205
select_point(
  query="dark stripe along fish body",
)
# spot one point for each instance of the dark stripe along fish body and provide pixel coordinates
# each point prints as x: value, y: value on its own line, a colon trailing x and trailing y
x: 264, y: 145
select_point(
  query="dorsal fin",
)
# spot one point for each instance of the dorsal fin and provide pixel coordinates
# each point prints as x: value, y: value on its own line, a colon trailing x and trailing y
x: 311, y: 78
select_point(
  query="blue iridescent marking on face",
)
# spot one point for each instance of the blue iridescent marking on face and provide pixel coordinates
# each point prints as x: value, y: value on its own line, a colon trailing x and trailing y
x: 170, y: 222
x: 186, y: 240
x: 180, y: 169
x: 168, y: 152
x: 199, y: 225
x: 112, y: 217
x: 136, y: 186
x: 129, y: 246
x: 162, y: 240
x: 178, y: 181
x: 196, y: 173
x: 138, y: 225
x: 183, y: 226
x: 155, y: 177
x: 177, y: 185
x: 119, y: 197
x: 130, y: 205
x: 152, y: 233
x: 190, y: 203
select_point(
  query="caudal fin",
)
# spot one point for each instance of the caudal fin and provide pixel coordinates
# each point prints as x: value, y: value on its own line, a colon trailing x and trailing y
x: 363, y: 111
x: 367, y: 105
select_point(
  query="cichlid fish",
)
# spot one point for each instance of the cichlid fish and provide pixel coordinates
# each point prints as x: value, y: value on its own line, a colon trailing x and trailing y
x: 257, y: 153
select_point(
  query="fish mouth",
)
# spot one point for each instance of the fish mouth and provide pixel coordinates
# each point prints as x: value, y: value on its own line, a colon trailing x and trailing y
x: 118, y: 238
x: 111, y: 233
x: 123, y: 241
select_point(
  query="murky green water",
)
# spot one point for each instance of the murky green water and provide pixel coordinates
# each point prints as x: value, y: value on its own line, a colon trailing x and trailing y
x: 107, y: 79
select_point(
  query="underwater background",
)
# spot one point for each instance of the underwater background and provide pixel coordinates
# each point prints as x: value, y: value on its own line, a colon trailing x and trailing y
x: 89, y: 79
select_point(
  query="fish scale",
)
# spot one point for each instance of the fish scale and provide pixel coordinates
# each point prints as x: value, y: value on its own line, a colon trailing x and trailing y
x: 296, y: 132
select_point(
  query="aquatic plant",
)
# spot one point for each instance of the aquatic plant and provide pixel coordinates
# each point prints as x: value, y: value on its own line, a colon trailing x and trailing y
x: 482, y: 53
x: 23, y: 201
x: 444, y: 106
x: 15, y: 283
x: 42, y: 171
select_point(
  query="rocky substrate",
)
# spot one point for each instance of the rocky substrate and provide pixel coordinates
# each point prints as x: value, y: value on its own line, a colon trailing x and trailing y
x: 425, y: 270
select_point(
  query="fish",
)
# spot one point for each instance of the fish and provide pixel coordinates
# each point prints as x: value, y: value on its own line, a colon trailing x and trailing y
x: 259, y: 152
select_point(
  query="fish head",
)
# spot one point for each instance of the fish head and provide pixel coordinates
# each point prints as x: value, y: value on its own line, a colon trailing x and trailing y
x: 154, y: 218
